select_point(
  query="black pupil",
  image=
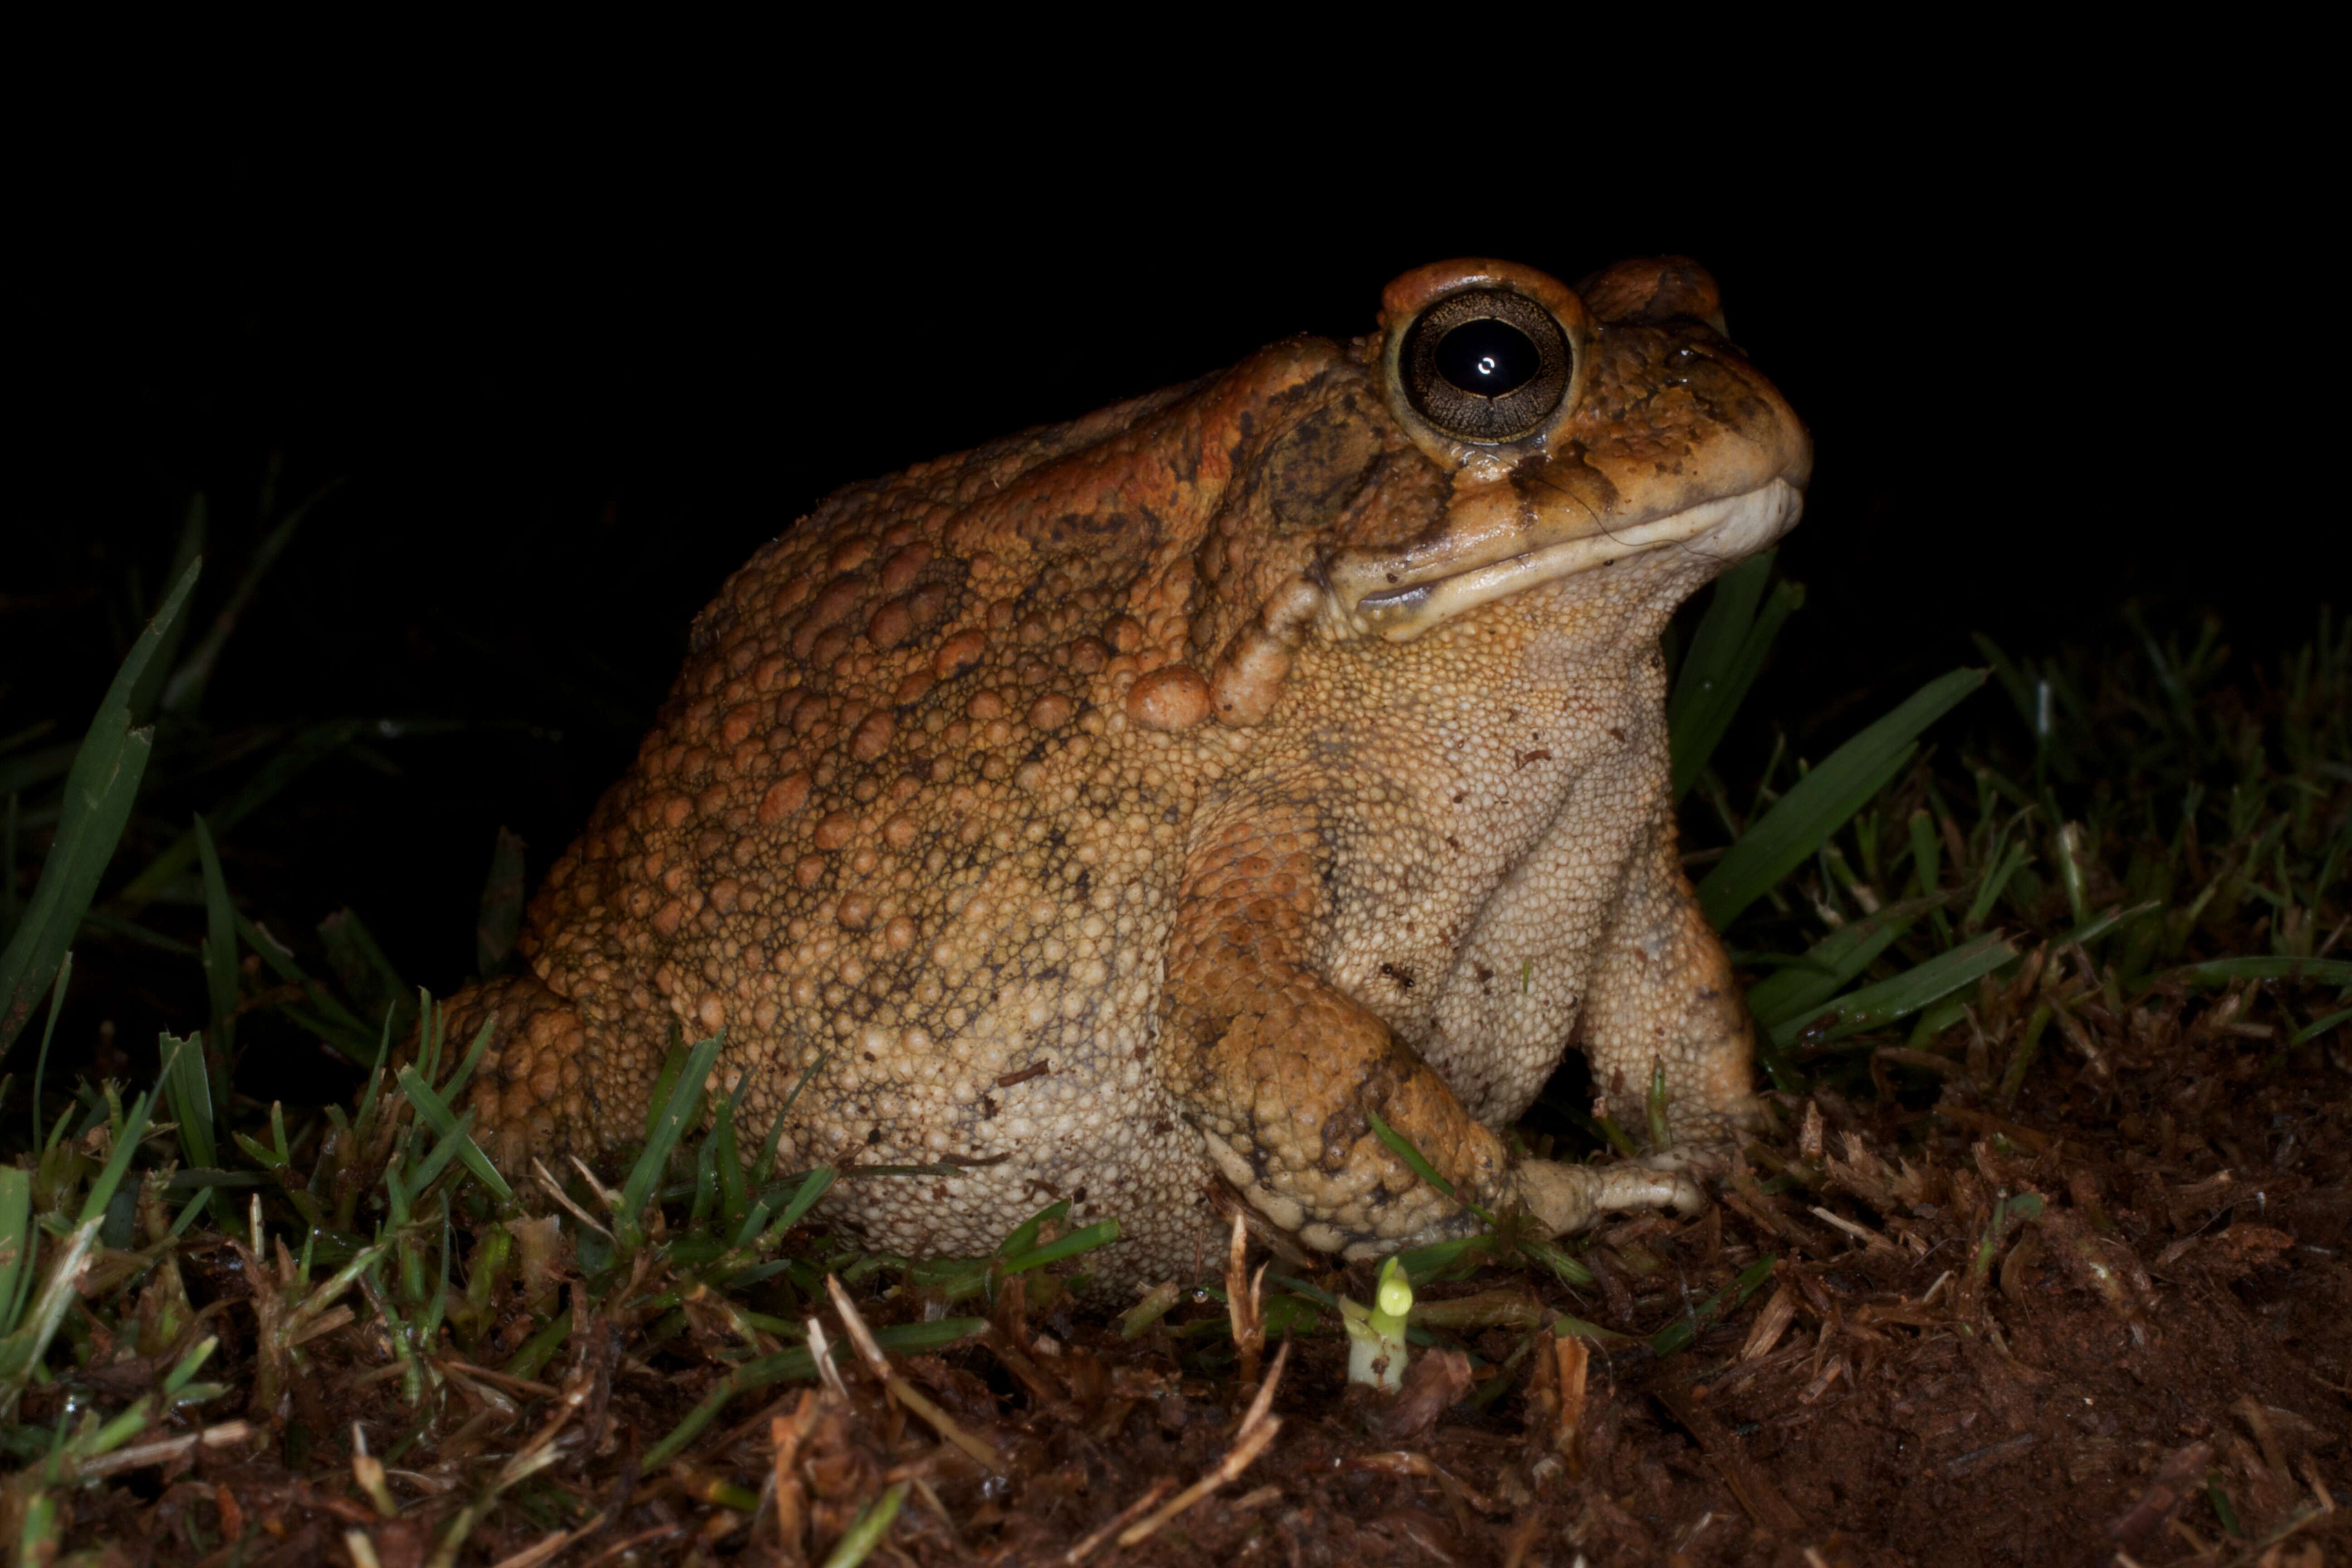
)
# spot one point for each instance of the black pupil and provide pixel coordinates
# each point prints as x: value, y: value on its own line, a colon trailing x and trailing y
x: 1488, y: 357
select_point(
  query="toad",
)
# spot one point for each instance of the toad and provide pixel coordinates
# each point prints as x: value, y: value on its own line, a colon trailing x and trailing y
x: 1140, y: 807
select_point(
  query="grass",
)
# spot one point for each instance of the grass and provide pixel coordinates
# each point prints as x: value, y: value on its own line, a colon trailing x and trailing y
x: 1918, y: 904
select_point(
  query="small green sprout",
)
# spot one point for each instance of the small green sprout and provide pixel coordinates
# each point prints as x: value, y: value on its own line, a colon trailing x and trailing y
x: 1376, y: 1352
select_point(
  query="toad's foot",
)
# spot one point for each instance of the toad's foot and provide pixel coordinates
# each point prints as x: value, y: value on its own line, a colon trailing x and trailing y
x: 1706, y: 1162
x: 1565, y: 1199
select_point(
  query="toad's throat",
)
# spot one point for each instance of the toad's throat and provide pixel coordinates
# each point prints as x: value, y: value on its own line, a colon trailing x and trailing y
x: 1725, y: 530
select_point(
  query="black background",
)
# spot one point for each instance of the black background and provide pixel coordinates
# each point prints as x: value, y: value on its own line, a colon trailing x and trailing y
x: 571, y: 378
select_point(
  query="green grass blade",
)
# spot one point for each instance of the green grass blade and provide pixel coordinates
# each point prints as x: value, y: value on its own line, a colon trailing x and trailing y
x: 11, y: 906
x: 1425, y: 1264
x: 813, y: 1187
x: 2099, y: 925
x: 665, y: 1079
x: 23, y: 1350
x: 1818, y: 805
x: 126, y: 1143
x: 18, y: 1241
x: 447, y: 1149
x: 1731, y: 610
x: 1725, y: 654
x: 1571, y: 1271
x: 748, y: 1230
x: 376, y: 1074
x: 49, y: 1031
x: 1085, y: 1238
x: 434, y: 1112
x: 1024, y: 1235
x: 2012, y: 680
x: 98, y: 791
x: 1875, y: 1005
x: 705, y: 1189
x: 867, y: 1530
x: 114, y: 1434
x: 1926, y: 854
x: 1830, y: 963
x: 1565, y: 1324
x: 431, y: 1026
x: 191, y: 1363
x: 368, y: 976
x: 151, y: 641
x: 1679, y: 1334
x: 220, y: 946
x: 669, y: 1126
x: 465, y: 1073
x: 190, y: 550
x: 540, y: 1348
x: 438, y: 1307
x: 726, y: 1155
x: 2320, y: 1027
x: 2006, y: 861
x: 335, y: 1024
x: 188, y: 1089
x: 1401, y: 1147
x: 766, y: 1162
x: 396, y: 1188
x: 791, y: 1364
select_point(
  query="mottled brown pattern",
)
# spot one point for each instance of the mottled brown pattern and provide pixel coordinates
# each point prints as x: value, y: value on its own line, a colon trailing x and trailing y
x: 1073, y: 805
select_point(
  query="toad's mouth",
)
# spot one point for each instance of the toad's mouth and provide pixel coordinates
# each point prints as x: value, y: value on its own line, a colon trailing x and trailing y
x: 1370, y: 595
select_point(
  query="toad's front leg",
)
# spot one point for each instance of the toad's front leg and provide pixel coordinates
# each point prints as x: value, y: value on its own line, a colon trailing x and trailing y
x: 1664, y: 1004
x: 1282, y: 1074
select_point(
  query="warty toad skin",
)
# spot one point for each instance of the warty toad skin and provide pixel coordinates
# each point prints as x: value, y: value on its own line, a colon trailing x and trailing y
x: 1129, y: 808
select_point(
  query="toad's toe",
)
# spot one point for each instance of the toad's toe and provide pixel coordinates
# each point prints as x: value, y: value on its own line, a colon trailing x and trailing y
x: 1564, y: 1198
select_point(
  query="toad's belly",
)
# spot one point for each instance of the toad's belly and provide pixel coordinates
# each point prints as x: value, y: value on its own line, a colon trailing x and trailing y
x: 1151, y: 1175
x: 1026, y: 1080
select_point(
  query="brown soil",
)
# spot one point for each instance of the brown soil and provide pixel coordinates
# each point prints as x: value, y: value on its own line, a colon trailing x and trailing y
x: 2112, y: 1316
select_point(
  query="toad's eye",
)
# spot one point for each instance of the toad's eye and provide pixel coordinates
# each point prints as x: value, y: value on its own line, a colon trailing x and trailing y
x: 1486, y: 365
x: 1488, y: 357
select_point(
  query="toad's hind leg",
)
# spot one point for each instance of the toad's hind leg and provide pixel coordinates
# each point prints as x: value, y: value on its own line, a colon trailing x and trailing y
x: 1282, y: 1074
x: 1664, y: 1000
x: 533, y: 1093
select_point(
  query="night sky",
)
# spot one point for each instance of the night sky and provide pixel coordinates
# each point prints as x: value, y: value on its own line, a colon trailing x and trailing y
x: 568, y: 388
